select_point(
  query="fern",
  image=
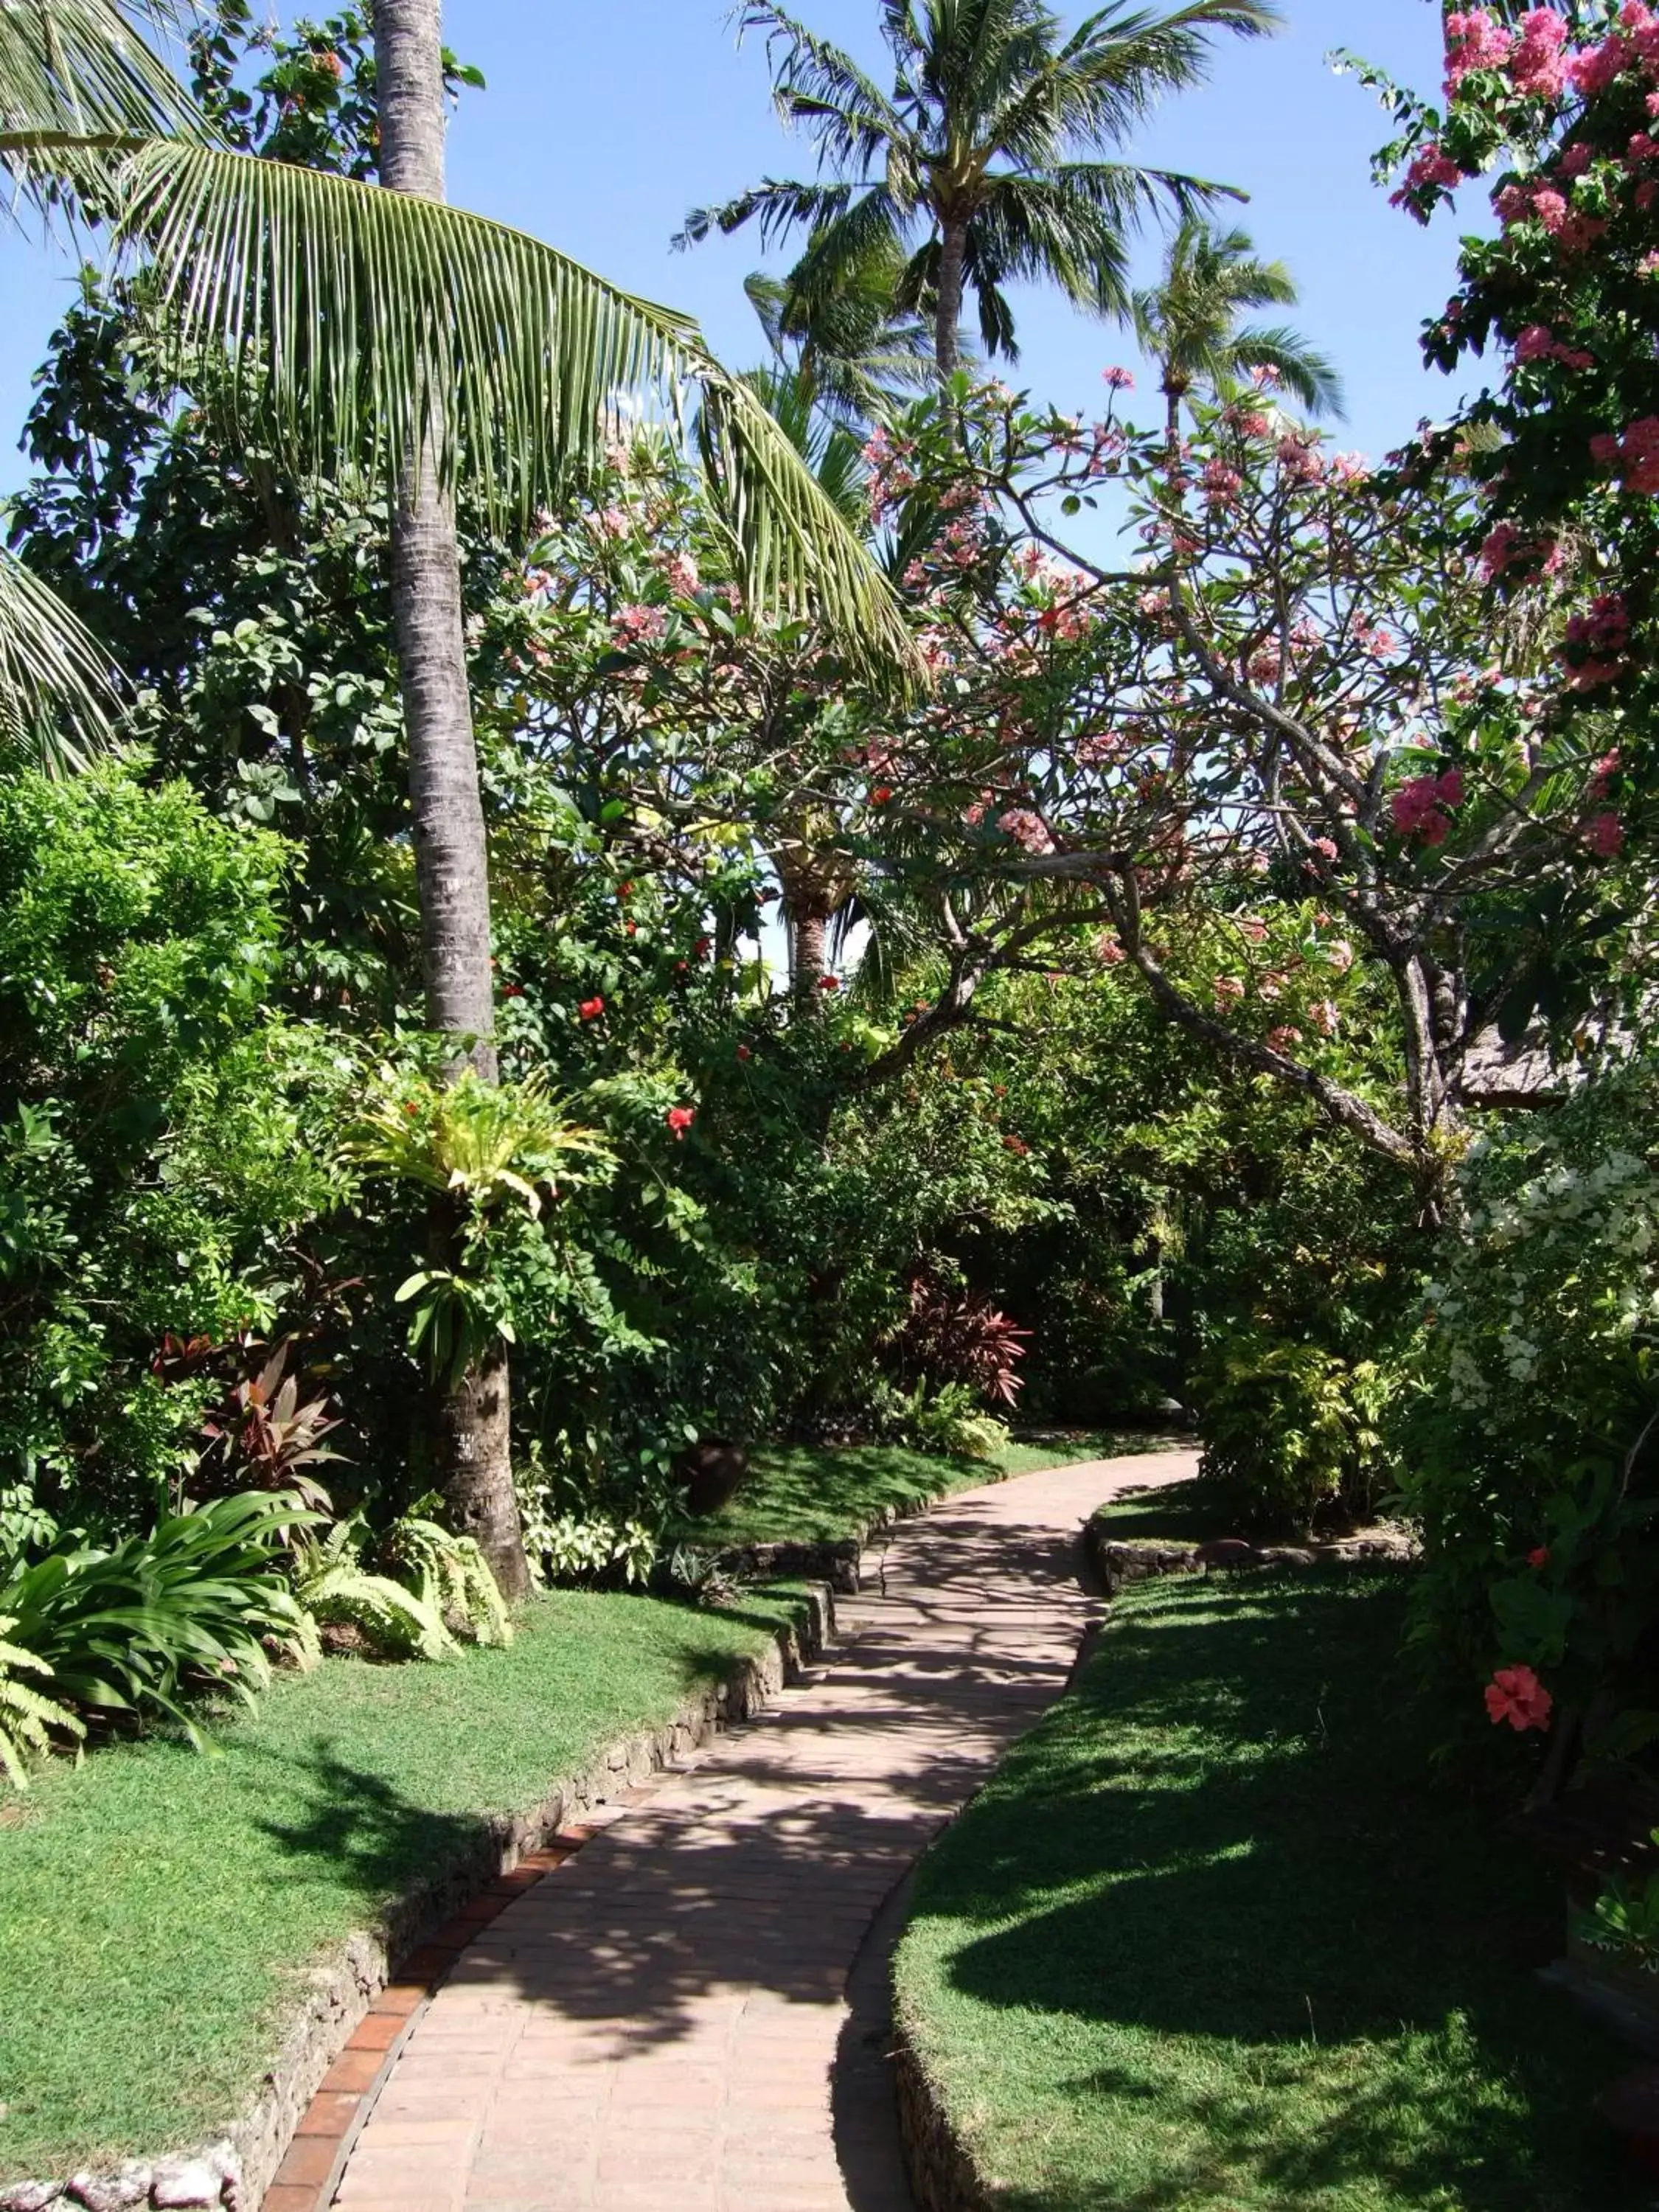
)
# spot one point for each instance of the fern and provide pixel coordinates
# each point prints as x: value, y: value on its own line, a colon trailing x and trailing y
x: 450, y: 1575
x: 333, y: 1585
x: 26, y: 1715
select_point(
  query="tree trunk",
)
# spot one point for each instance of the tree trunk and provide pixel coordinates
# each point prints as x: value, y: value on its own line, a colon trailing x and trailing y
x: 471, y: 1425
x: 809, y: 953
x: 947, y: 312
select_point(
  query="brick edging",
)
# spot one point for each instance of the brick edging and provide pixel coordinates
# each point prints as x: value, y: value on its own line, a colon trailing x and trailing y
x: 285, y: 2151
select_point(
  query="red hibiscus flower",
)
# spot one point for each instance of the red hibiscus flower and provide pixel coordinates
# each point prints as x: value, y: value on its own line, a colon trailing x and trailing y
x: 828, y: 982
x: 1515, y: 1694
x: 591, y: 1009
x: 680, y: 1119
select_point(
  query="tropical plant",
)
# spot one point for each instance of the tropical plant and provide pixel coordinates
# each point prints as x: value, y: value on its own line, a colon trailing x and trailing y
x: 28, y: 1715
x: 1290, y: 1430
x: 135, y: 1632
x: 335, y: 1587
x: 477, y: 1142
x: 448, y: 1573
x: 982, y: 167
x: 1188, y: 324
x: 262, y: 1435
x: 853, y: 356
x: 949, y: 1336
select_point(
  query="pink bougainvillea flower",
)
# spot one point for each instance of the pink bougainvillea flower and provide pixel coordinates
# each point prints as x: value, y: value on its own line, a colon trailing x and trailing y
x: 1539, y: 1557
x: 591, y: 1009
x: 680, y: 1119
x: 1515, y: 1694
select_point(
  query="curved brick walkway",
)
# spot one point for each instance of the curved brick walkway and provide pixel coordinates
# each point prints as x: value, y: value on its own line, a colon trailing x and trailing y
x: 666, y: 2024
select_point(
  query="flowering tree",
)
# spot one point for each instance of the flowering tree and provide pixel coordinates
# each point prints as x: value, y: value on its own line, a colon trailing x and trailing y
x: 1300, y: 686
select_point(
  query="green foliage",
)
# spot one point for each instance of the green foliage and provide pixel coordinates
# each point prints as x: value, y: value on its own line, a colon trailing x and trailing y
x: 1290, y: 1430
x: 134, y: 1632
x: 28, y: 1715
x: 1623, y: 1919
x: 1526, y: 1446
x: 163, y: 1132
x: 951, y: 1423
x: 335, y: 1589
x: 449, y: 1574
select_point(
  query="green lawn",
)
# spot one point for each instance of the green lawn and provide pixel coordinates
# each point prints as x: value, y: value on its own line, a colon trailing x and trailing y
x: 1214, y: 1941
x: 825, y: 1494
x: 155, y: 1905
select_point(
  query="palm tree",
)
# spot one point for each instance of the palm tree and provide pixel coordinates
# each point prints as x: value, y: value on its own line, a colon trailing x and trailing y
x: 985, y: 164
x: 853, y: 354
x: 376, y: 332
x: 1189, y: 324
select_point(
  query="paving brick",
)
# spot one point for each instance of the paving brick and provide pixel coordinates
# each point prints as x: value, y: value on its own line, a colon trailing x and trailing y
x: 654, y: 2029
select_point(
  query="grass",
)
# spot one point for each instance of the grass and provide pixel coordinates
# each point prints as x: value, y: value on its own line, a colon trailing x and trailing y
x: 157, y: 1907
x: 827, y: 1494
x: 1214, y: 1941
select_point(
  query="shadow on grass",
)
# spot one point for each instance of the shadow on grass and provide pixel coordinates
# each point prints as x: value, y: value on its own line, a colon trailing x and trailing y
x: 1173, y: 1512
x: 1295, y: 1970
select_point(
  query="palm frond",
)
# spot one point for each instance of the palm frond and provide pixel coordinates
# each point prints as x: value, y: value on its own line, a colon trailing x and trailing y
x: 58, y: 697
x: 780, y: 204
x: 78, y: 75
x: 815, y: 82
x: 370, y: 327
x: 1305, y: 373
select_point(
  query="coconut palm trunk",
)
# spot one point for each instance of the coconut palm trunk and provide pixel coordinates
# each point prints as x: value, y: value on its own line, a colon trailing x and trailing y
x: 471, y: 1439
x: 947, y: 317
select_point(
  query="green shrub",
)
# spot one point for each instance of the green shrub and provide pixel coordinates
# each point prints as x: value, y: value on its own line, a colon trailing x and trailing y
x: 134, y: 1632
x: 1290, y: 1430
x: 1528, y: 1444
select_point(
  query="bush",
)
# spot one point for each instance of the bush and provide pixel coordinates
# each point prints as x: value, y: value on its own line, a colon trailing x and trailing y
x: 1291, y: 1431
x: 1528, y: 1443
x: 134, y: 1632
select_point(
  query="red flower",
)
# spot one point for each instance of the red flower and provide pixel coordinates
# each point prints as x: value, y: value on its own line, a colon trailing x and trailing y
x: 629, y: 928
x: 512, y: 991
x: 704, y: 946
x: 1017, y: 1146
x: 410, y: 1108
x: 1540, y: 1558
x: 1515, y: 1694
x: 591, y: 1009
x: 881, y: 794
x: 680, y: 1119
x: 743, y: 1053
x: 624, y: 891
x: 828, y: 982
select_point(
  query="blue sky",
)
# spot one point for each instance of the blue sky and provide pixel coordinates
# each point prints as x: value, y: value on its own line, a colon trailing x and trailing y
x: 603, y: 124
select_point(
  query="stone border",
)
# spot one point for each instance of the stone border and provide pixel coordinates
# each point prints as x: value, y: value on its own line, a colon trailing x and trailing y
x: 1117, y: 1563
x: 284, y: 2151
x: 943, y: 2176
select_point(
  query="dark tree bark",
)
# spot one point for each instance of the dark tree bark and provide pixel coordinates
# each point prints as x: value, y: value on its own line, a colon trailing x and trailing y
x: 471, y: 1431
x: 809, y: 954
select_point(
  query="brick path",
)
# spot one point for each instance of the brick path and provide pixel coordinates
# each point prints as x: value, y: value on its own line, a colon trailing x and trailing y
x: 654, y: 2027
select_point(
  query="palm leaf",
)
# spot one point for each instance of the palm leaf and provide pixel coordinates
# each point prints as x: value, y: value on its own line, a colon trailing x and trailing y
x: 58, y: 684
x: 77, y: 75
x: 371, y: 326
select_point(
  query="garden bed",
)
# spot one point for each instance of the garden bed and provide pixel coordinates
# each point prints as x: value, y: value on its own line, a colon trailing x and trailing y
x: 1214, y: 1941
x: 165, y: 1917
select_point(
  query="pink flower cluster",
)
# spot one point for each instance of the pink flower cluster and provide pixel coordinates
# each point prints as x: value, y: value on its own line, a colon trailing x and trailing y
x: 681, y: 573
x: 1539, y: 342
x: 1475, y: 41
x: 1537, y: 64
x: 1596, y: 643
x: 1222, y: 484
x: 1635, y: 455
x: 1423, y: 807
x: 1604, y: 834
x: 1028, y: 830
x: 639, y: 623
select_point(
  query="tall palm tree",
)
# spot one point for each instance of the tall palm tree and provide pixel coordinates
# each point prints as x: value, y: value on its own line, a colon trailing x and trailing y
x: 1188, y: 324
x: 376, y: 331
x: 987, y: 161
x: 853, y: 354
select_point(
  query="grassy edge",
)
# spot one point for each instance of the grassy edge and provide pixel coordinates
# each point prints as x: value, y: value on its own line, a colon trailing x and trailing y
x: 297, y: 2041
